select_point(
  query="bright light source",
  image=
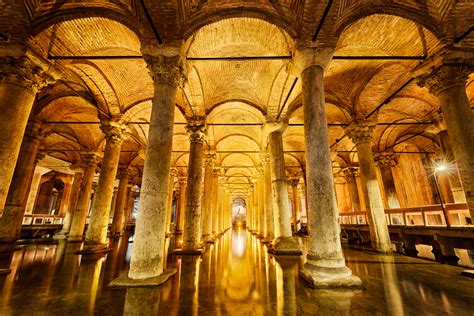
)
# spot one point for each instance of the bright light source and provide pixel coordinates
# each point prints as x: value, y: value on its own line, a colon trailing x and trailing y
x: 441, y: 168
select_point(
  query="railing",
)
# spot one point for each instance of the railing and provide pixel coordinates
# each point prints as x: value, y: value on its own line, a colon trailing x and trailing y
x: 42, y: 220
x: 453, y: 215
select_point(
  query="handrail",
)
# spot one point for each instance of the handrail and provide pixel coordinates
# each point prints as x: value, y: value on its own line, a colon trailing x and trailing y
x: 456, y: 215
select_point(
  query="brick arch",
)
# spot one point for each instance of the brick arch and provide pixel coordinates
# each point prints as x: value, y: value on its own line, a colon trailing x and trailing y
x: 220, y: 14
x: 414, y: 15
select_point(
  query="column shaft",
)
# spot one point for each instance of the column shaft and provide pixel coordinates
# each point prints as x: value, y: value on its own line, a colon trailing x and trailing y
x: 73, y: 198
x: 118, y: 223
x: 181, y: 206
x: 268, y: 217
x: 206, y: 202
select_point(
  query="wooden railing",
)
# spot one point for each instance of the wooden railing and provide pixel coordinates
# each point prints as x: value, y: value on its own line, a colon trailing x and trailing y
x: 454, y: 215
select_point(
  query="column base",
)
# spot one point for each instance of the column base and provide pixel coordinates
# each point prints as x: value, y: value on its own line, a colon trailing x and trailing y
x: 5, y: 271
x: 123, y: 281
x: 285, y: 246
x: 327, y: 278
x: 188, y: 252
x: 94, y: 249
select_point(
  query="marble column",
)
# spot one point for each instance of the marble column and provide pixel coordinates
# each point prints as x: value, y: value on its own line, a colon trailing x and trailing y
x: 96, y: 234
x: 73, y: 198
x: 350, y: 176
x: 118, y: 222
x: 261, y: 199
x: 20, y: 80
x: 453, y: 172
x: 192, y: 216
x: 216, y: 171
x: 173, y: 174
x: 385, y: 162
x: 325, y: 265
x: 448, y: 83
x: 360, y: 132
x: 147, y: 259
x: 12, y: 218
x: 181, y: 206
x: 210, y: 156
x: 267, y: 215
x: 284, y: 243
x: 251, y: 199
x: 296, y: 205
x: 221, y: 194
x: 80, y: 214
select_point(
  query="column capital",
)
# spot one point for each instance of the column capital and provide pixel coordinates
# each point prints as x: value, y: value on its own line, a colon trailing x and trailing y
x: 197, y: 130
x: 210, y: 157
x: 294, y: 182
x: 259, y: 172
x: 77, y: 168
x: 274, y: 126
x: 216, y: 171
x: 182, y: 180
x: 264, y: 158
x: 305, y: 57
x: 122, y: 171
x: 174, y: 172
x: 91, y: 159
x: 444, y: 77
x: 114, y: 130
x: 350, y: 173
x: 24, y: 72
x: 385, y: 160
x: 360, y: 131
x: 36, y: 130
x: 166, y: 69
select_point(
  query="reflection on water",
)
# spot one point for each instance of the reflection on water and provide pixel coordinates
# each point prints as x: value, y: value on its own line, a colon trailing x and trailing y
x: 236, y: 276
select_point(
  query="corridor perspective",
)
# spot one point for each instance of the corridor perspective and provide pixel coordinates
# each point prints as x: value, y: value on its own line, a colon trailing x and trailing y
x: 236, y: 276
x: 234, y: 157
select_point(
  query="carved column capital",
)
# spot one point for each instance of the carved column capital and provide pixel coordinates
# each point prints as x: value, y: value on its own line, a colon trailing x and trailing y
x: 122, y: 171
x: 350, y: 173
x: 210, y: 157
x: 197, y: 131
x: 386, y: 160
x: 24, y: 72
x: 264, y: 158
x: 174, y: 172
x: 36, y: 130
x: 444, y: 77
x: 294, y: 182
x: 259, y: 172
x: 90, y: 159
x: 216, y: 171
x: 114, y: 131
x: 166, y: 69
x: 305, y: 57
x: 182, y: 180
x: 360, y: 131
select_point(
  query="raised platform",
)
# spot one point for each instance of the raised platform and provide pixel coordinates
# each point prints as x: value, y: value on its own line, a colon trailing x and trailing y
x: 123, y: 281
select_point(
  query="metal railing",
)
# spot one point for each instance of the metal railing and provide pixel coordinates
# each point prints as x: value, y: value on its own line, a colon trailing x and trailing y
x: 454, y: 215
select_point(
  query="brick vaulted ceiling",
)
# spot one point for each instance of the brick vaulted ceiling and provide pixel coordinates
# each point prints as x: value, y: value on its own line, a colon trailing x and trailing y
x: 238, y: 91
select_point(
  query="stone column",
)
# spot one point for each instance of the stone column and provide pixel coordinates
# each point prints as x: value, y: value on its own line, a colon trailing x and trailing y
x: 251, y: 199
x: 96, y: 234
x: 120, y: 203
x: 296, y: 202
x: 221, y: 194
x: 386, y: 161
x: 148, y: 254
x: 20, y: 80
x: 350, y: 175
x: 210, y: 156
x: 261, y: 199
x: 173, y: 174
x: 268, y: 217
x: 80, y: 214
x: 283, y: 244
x: 361, y: 133
x: 215, y: 201
x: 453, y: 173
x: 12, y: 218
x: 448, y: 83
x: 181, y: 206
x: 325, y: 266
x: 73, y: 198
x: 192, y: 216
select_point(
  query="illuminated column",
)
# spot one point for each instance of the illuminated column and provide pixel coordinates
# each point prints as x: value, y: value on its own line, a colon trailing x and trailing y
x: 120, y: 203
x: 386, y: 161
x: 448, y: 83
x: 80, y: 214
x: 216, y: 171
x: 361, y: 133
x: 20, y: 80
x: 221, y: 195
x: 181, y: 206
x: 12, y: 218
x: 284, y: 243
x: 325, y: 266
x: 146, y: 265
x: 173, y: 174
x: 75, y: 190
x: 192, y: 217
x: 350, y: 175
x: 268, y: 217
x: 251, y: 199
x: 210, y: 156
x: 296, y: 205
x: 96, y: 234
